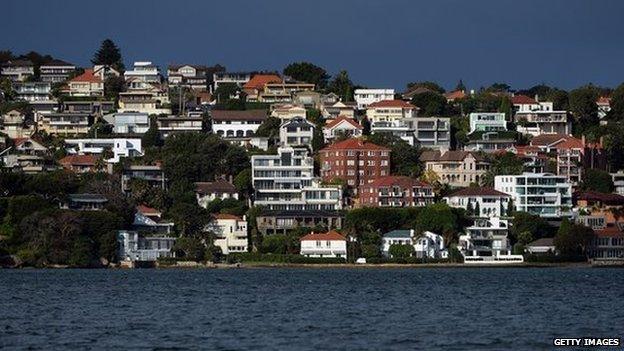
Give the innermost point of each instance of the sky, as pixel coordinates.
(382, 44)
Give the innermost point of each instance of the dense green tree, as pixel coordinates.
(108, 54)
(572, 239)
(366, 126)
(460, 86)
(507, 163)
(498, 88)
(342, 86)
(226, 91)
(404, 158)
(584, 109)
(307, 72)
(114, 85)
(151, 138)
(401, 250)
(506, 107)
(243, 182)
(430, 103)
(190, 248)
(597, 180)
(269, 128)
(524, 222)
(318, 139)
(190, 219)
(438, 218)
(314, 115)
(617, 104)
(433, 86)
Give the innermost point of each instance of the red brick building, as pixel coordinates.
(395, 191)
(355, 161)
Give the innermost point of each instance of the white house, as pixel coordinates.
(427, 245)
(543, 194)
(330, 244)
(480, 202)
(487, 122)
(135, 247)
(131, 123)
(486, 242)
(296, 132)
(143, 71)
(541, 246)
(390, 111)
(207, 192)
(230, 232)
(342, 126)
(120, 147)
(287, 111)
(237, 124)
(365, 97)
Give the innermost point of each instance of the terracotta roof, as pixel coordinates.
(87, 76)
(392, 103)
(226, 216)
(606, 198)
(246, 115)
(259, 80)
(340, 119)
(146, 210)
(603, 100)
(609, 231)
(396, 180)
(522, 100)
(79, 160)
(219, 187)
(354, 144)
(559, 141)
(454, 95)
(331, 235)
(457, 155)
(478, 191)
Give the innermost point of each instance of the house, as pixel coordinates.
(144, 72)
(193, 76)
(297, 132)
(480, 201)
(94, 107)
(487, 122)
(395, 191)
(426, 245)
(308, 99)
(486, 242)
(56, 71)
(342, 126)
(27, 156)
(29, 146)
(168, 125)
(330, 244)
(143, 101)
(456, 168)
(455, 95)
(571, 154)
(522, 103)
(15, 125)
(207, 192)
(287, 111)
(65, 123)
(238, 78)
(282, 91)
(491, 142)
(355, 161)
(282, 221)
(337, 109)
(286, 182)
(256, 84)
(86, 84)
(543, 122)
(152, 174)
(365, 97)
(17, 70)
(592, 204)
(237, 124)
(32, 91)
(133, 246)
(119, 147)
(149, 220)
(541, 246)
(607, 245)
(130, 123)
(394, 111)
(80, 163)
(604, 106)
(84, 202)
(431, 132)
(45, 107)
(543, 194)
(397, 128)
(105, 71)
(230, 232)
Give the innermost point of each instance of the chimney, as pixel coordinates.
(583, 140)
(536, 97)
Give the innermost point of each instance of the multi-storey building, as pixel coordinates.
(395, 191)
(17, 70)
(338, 109)
(286, 182)
(56, 71)
(487, 122)
(230, 232)
(174, 124)
(287, 111)
(486, 242)
(297, 132)
(193, 76)
(32, 91)
(492, 141)
(152, 174)
(397, 129)
(133, 246)
(206, 192)
(355, 161)
(456, 168)
(254, 86)
(543, 122)
(543, 194)
(431, 132)
(342, 126)
(618, 182)
(426, 245)
(120, 147)
(65, 123)
(394, 111)
(480, 201)
(238, 78)
(282, 91)
(15, 125)
(143, 71)
(237, 124)
(142, 101)
(86, 84)
(130, 123)
(365, 97)
(523, 103)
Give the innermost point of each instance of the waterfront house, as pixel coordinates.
(149, 220)
(281, 222)
(230, 232)
(486, 242)
(607, 245)
(133, 246)
(541, 246)
(330, 244)
(426, 245)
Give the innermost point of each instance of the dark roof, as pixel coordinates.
(18, 63)
(402, 181)
(398, 233)
(247, 115)
(87, 198)
(542, 242)
(605, 198)
(219, 187)
(302, 213)
(298, 122)
(478, 191)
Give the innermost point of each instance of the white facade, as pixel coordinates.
(365, 97)
(230, 233)
(487, 204)
(396, 128)
(486, 242)
(432, 132)
(543, 194)
(324, 245)
(133, 247)
(427, 245)
(342, 126)
(296, 132)
(618, 182)
(543, 122)
(487, 122)
(131, 123)
(121, 147)
(143, 71)
(286, 182)
(239, 78)
(33, 91)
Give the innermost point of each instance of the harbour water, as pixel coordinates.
(308, 308)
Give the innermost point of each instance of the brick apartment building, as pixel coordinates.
(395, 191)
(355, 161)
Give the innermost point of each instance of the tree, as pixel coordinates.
(572, 239)
(269, 128)
(190, 219)
(401, 251)
(430, 103)
(525, 222)
(114, 85)
(433, 86)
(366, 126)
(404, 158)
(242, 182)
(498, 87)
(342, 86)
(460, 86)
(506, 107)
(314, 115)
(226, 91)
(597, 180)
(108, 54)
(505, 164)
(477, 210)
(437, 218)
(151, 137)
(617, 104)
(307, 72)
(191, 248)
(584, 109)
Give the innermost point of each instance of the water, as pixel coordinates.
(308, 309)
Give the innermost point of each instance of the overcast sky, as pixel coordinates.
(564, 43)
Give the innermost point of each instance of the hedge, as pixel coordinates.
(278, 258)
(550, 258)
(405, 260)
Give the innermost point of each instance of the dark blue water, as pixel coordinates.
(308, 309)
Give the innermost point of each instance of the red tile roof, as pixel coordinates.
(259, 80)
(148, 211)
(558, 141)
(87, 76)
(603, 100)
(78, 160)
(396, 181)
(522, 100)
(339, 119)
(226, 216)
(392, 103)
(478, 191)
(331, 235)
(455, 95)
(354, 144)
(609, 232)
